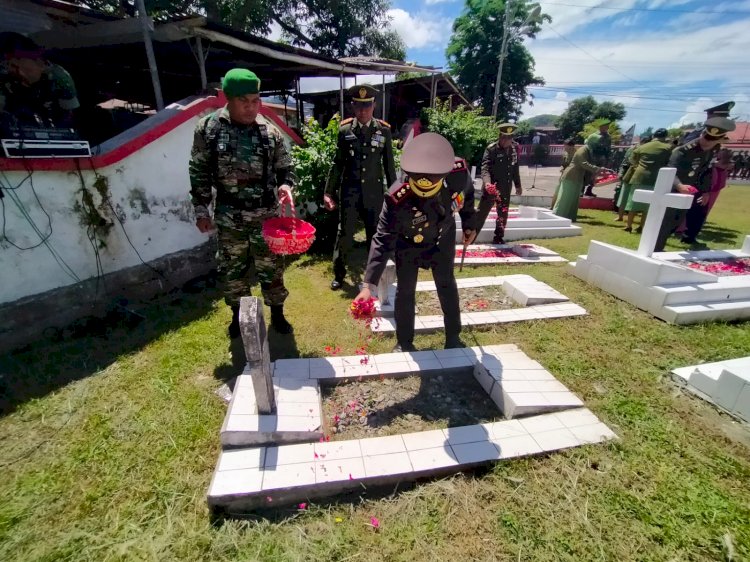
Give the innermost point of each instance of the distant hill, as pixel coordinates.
(543, 120)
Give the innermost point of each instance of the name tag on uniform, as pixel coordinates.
(419, 220)
(350, 137)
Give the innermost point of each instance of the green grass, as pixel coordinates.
(110, 443)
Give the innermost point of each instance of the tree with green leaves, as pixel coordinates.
(336, 28)
(468, 131)
(586, 110)
(473, 52)
(615, 133)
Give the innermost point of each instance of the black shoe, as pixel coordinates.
(498, 240)
(454, 343)
(278, 322)
(686, 240)
(336, 284)
(398, 348)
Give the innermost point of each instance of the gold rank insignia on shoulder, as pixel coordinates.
(459, 165)
(347, 121)
(384, 123)
(399, 192)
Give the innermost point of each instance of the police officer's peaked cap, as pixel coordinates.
(661, 133)
(362, 93)
(240, 82)
(717, 127)
(427, 154)
(507, 129)
(603, 121)
(721, 110)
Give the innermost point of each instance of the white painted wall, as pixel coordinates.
(157, 175)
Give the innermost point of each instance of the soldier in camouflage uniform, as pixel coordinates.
(35, 92)
(355, 183)
(500, 168)
(248, 165)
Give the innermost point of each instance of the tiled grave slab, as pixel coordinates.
(297, 418)
(523, 254)
(249, 479)
(540, 301)
(724, 383)
(523, 223)
(517, 384)
(662, 287)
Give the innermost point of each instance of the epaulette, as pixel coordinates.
(399, 192)
(346, 121)
(492, 144)
(386, 123)
(459, 165)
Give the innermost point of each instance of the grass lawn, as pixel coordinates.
(109, 441)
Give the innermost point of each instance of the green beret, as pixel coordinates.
(240, 82)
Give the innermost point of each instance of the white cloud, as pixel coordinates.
(430, 2)
(421, 30)
(561, 96)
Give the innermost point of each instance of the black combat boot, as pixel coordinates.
(278, 322)
(453, 342)
(399, 347)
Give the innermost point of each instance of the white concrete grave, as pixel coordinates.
(660, 283)
(524, 223)
(659, 200)
(276, 474)
(539, 301)
(507, 254)
(724, 383)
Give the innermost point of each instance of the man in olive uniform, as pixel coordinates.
(602, 153)
(500, 168)
(417, 223)
(693, 163)
(35, 92)
(721, 110)
(355, 183)
(248, 165)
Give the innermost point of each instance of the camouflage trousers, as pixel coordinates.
(242, 252)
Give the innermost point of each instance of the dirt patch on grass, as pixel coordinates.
(473, 299)
(377, 407)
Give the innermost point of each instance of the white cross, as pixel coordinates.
(659, 200)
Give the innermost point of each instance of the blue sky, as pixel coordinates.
(665, 60)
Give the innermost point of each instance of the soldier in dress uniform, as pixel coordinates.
(417, 223)
(355, 183)
(248, 165)
(499, 167)
(693, 163)
(721, 110)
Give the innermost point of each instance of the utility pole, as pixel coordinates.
(503, 49)
(146, 26)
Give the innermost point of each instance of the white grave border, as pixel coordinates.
(250, 478)
(538, 300)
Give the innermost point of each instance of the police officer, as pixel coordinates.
(500, 167)
(247, 164)
(693, 163)
(355, 183)
(417, 223)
